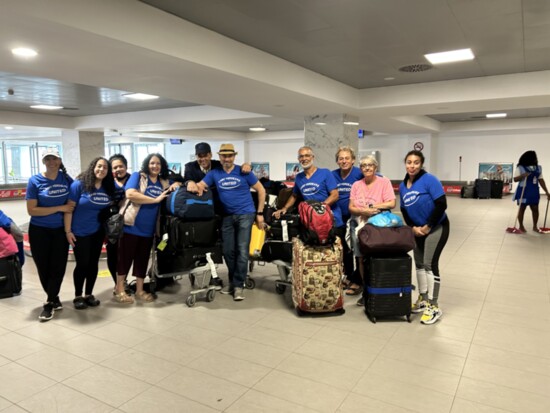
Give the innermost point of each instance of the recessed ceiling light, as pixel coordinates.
(24, 52)
(257, 129)
(389, 78)
(495, 115)
(320, 123)
(450, 56)
(8, 127)
(46, 107)
(140, 96)
(351, 123)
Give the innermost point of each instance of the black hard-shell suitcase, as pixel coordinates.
(483, 188)
(170, 262)
(388, 287)
(496, 188)
(184, 234)
(10, 276)
(273, 250)
(467, 191)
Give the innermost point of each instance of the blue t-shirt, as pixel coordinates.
(344, 189)
(49, 193)
(88, 206)
(418, 200)
(146, 219)
(233, 189)
(317, 188)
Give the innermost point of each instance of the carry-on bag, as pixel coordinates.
(257, 239)
(10, 276)
(190, 206)
(482, 188)
(275, 250)
(181, 261)
(388, 287)
(496, 188)
(373, 240)
(285, 228)
(317, 278)
(467, 191)
(317, 223)
(183, 234)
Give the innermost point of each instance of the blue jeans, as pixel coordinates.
(236, 231)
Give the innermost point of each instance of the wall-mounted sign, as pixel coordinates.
(418, 146)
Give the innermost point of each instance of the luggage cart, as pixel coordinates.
(285, 274)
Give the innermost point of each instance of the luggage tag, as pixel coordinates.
(163, 243)
(284, 227)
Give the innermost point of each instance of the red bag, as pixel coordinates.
(317, 223)
(374, 240)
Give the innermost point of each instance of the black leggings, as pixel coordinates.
(112, 257)
(49, 249)
(86, 252)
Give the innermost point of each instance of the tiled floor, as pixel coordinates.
(489, 353)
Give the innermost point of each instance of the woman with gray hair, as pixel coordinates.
(368, 197)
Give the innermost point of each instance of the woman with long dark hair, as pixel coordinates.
(145, 190)
(423, 205)
(90, 193)
(47, 195)
(529, 175)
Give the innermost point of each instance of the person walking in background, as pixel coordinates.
(423, 205)
(119, 167)
(529, 175)
(368, 197)
(346, 175)
(145, 190)
(90, 193)
(47, 195)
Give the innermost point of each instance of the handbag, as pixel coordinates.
(8, 246)
(374, 240)
(385, 219)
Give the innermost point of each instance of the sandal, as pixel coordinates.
(123, 298)
(145, 297)
(354, 290)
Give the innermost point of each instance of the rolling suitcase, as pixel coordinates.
(496, 188)
(317, 278)
(388, 287)
(274, 250)
(10, 276)
(257, 239)
(483, 188)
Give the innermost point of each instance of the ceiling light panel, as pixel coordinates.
(24, 52)
(46, 107)
(140, 96)
(450, 56)
(495, 115)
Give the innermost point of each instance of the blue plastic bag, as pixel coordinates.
(385, 219)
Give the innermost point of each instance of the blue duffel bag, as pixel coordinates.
(190, 206)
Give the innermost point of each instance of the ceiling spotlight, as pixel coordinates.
(24, 52)
(351, 123)
(450, 56)
(320, 123)
(495, 115)
(8, 127)
(257, 129)
(46, 107)
(140, 96)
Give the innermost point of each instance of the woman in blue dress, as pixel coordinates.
(529, 175)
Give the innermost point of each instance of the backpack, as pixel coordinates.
(317, 223)
(190, 206)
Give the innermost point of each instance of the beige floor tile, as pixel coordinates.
(60, 398)
(172, 350)
(305, 327)
(497, 294)
(513, 360)
(148, 322)
(218, 325)
(141, 366)
(160, 400)
(254, 401)
(55, 364)
(356, 403)
(502, 397)
(14, 409)
(431, 339)
(19, 383)
(230, 368)
(262, 354)
(337, 354)
(467, 406)
(13, 319)
(352, 341)
(121, 334)
(203, 388)
(91, 348)
(271, 337)
(402, 393)
(196, 336)
(312, 394)
(321, 371)
(14, 346)
(48, 333)
(107, 385)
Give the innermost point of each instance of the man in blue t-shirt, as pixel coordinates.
(316, 184)
(239, 214)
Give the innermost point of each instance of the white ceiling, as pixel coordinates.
(230, 64)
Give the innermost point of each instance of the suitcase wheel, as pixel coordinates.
(280, 288)
(210, 295)
(408, 318)
(191, 300)
(249, 283)
(250, 266)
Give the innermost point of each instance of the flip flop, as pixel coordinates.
(354, 290)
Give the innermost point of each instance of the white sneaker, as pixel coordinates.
(238, 295)
(431, 314)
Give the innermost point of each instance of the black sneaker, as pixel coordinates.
(57, 306)
(47, 312)
(92, 301)
(80, 303)
(217, 283)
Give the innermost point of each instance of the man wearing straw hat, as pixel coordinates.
(234, 193)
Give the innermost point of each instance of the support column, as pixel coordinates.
(326, 133)
(79, 148)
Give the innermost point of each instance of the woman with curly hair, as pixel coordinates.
(529, 175)
(90, 193)
(144, 190)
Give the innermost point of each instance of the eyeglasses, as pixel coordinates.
(367, 165)
(304, 156)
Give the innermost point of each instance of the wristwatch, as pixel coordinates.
(259, 213)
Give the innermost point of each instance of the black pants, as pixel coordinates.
(50, 249)
(112, 257)
(86, 252)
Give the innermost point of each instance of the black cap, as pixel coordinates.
(202, 147)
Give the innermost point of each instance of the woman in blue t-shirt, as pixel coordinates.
(529, 175)
(47, 195)
(423, 205)
(145, 190)
(90, 193)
